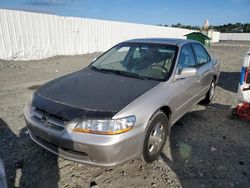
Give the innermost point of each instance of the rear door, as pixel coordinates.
(204, 67)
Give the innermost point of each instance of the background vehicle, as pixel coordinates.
(123, 105)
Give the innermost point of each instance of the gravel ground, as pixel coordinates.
(208, 148)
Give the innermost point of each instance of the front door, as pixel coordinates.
(186, 88)
(205, 68)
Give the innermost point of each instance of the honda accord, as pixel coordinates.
(122, 105)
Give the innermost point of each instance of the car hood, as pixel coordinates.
(89, 94)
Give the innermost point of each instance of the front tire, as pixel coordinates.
(156, 135)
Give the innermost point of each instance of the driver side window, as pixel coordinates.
(186, 59)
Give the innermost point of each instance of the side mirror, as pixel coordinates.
(93, 59)
(187, 73)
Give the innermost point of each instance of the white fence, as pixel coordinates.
(235, 36)
(26, 35)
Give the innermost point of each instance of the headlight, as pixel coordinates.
(107, 127)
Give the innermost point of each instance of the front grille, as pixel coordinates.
(48, 119)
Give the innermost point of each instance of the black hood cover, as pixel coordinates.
(89, 94)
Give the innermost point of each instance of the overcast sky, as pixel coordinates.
(188, 12)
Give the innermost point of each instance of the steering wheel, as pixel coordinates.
(159, 67)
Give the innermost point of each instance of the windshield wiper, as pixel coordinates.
(108, 71)
(94, 68)
(119, 72)
(131, 74)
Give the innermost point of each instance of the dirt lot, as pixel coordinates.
(208, 149)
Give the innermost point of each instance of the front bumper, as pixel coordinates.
(100, 150)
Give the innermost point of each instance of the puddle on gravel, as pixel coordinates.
(185, 150)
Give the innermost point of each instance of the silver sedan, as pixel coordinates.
(122, 106)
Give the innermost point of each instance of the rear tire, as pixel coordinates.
(157, 133)
(210, 94)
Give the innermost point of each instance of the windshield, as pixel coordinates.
(149, 61)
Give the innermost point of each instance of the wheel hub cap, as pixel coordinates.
(156, 139)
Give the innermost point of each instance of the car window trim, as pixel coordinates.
(191, 47)
(177, 63)
(207, 54)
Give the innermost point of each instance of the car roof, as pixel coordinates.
(169, 41)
